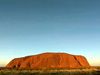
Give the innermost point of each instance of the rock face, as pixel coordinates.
(49, 61)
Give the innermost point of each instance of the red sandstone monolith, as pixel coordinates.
(49, 61)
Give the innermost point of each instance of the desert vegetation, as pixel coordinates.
(51, 72)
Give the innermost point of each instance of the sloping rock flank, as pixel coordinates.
(49, 61)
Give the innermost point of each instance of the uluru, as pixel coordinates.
(49, 61)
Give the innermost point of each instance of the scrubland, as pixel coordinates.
(92, 71)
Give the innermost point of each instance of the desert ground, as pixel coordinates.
(90, 71)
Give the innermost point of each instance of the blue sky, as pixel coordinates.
(30, 27)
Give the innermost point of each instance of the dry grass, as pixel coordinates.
(52, 72)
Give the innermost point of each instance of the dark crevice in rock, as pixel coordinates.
(77, 61)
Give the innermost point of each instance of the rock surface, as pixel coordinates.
(49, 61)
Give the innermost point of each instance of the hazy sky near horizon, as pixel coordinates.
(30, 27)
